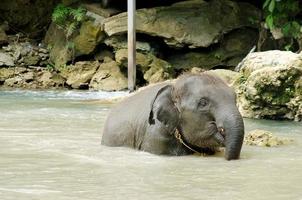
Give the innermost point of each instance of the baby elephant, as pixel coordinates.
(197, 113)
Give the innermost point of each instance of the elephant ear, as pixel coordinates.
(163, 108)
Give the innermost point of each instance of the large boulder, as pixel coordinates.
(153, 69)
(109, 77)
(79, 75)
(81, 43)
(194, 23)
(270, 85)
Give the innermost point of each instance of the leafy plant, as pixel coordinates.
(282, 14)
(69, 19)
(50, 67)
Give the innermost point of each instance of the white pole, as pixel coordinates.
(131, 45)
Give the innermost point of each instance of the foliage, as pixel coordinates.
(282, 14)
(68, 18)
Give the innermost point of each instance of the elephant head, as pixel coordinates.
(203, 109)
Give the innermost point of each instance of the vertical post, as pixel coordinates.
(131, 45)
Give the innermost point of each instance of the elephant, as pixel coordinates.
(195, 113)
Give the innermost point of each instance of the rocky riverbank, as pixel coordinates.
(172, 39)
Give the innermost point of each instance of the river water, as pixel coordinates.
(50, 150)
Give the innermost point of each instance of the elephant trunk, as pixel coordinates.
(233, 129)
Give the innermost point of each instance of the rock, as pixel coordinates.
(269, 85)
(63, 50)
(153, 68)
(159, 71)
(28, 77)
(31, 78)
(60, 53)
(12, 82)
(120, 42)
(98, 10)
(6, 73)
(49, 79)
(79, 75)
(264, 139)
(229, 52)
(109, 77)
(90, 36)
(31, 59)
(25, 54)
(228, 76)
(192, 23)
(6, 60)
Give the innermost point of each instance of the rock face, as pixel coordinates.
(270, 85)
(109, 77)
(192, 23)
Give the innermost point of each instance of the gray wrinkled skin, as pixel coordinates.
(202, 107)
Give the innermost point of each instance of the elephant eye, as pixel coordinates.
(203, 102)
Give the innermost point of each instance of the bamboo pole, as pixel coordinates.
(131, 45)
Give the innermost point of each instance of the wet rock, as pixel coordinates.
(79, 75)
(153, 68)
(192, 23)
(264, 139)
(6, 60)
(269, 85)
(109, 77)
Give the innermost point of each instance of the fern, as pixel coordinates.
(69, 19)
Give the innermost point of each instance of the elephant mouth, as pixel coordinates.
(218, 136)
(216, 133)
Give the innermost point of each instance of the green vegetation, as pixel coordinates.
(67, 18)
(282, 15)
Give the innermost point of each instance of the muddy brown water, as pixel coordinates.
(50, 150)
